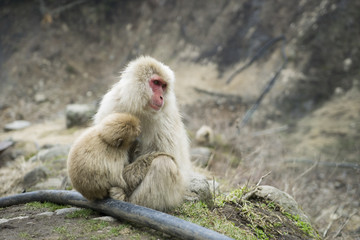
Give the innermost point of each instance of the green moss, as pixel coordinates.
(198, 212)
(233, 197)
(304, 226)
(82, 213)
(24, 235)
(48, 205)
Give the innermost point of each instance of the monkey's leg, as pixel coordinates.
(162, 187)
(135, 172)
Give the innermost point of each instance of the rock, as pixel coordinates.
(39, 98)
(66, 210)
(20, 148)
(78, 114)
(56, 152)
(200, 156)
(16, 125)
(205, 136)
(5, 145)
(50, 183)
(199, 190)
(33, 177)
(4, 220)
(106, 219)
(45, 214)
(284, 200)
(339, 91)
(347, 64)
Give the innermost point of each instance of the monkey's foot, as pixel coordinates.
(117, 193)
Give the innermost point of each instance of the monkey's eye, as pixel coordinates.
(157, 82)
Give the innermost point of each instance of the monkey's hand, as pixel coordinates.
(117, 193)
(135, 172)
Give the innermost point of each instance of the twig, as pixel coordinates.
(257, 55)
(270, 131)
(259, 182)
(306, 172)
(270, 84)
(214, 189)
(216, 94)
(326, 164)
(333, 217)
(347, 220)
(44, 10)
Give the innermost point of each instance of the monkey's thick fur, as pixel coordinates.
(97, 158)
(167, 176)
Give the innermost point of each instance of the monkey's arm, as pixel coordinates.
(135, 172)
(121, 210)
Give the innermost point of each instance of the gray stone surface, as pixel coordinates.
(16, 125)
(281, 198)
(200, 156)
(34, 176)
(66, 210)
(79, 114)
(199, 190)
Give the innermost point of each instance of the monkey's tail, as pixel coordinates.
(121, 210)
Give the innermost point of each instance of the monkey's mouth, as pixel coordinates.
(155, 106)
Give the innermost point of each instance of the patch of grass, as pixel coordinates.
(24, 235)
(95, 225)
(259, 218)
(233, 197)
(60, 230)
(304, 226)
(82, 213)
(48, 205)
(64, 232)
(198, 212)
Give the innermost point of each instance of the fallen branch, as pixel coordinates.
(271, 82)
(347, 220)
(326, 164)
(232, 97)
(121, 210)
(259, 182)
(44, 10)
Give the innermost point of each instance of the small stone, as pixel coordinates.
(106, 219)
(200, 156)
(39, 98)
(34, 176)
(347, 64)
(199, 190)
(16, 125)
(45, 214)
(5, 145)
(281, 198)
(3, 220)
(78, 114)
(66, 210)
(56, 152)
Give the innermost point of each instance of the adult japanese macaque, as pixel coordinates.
(160, 172)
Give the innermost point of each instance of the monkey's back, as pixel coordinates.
(94, 166)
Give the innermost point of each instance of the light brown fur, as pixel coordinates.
(97, 158)
(162, 170)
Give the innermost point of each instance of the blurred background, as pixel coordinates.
(305, 132)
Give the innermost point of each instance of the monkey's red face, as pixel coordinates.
(158, 87)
